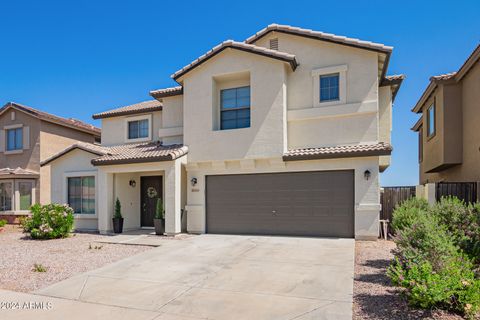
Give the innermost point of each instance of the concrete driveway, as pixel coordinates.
(223, 277)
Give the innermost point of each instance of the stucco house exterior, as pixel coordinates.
(448, 135)
(284, 133)
(27, 137)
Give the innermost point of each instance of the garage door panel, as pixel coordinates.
(306, 203)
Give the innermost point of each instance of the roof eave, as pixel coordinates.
(337, 155)
(417, 125)
(125, 113)
(170, 157)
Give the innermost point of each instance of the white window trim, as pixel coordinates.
(16, 192)
(5, 128)
(316, 73)
(74, 174)
(12, 211)
(137, 118)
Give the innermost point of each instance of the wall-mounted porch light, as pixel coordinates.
(367, 174)
(132, 183)
(193, 182)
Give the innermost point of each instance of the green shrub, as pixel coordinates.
(407, 213)
(436, 255)
(453, 287)
(462, 221)
(50, 221)
(159, 212)
(118, 210)
(3, 222)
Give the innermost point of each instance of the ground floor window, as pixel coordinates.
(6, 196)
(17, 194)
(25, 194)
(81, 194)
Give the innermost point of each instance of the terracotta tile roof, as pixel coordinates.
(141, 107)
(89, 147)
(446, 76)
(320, 36)
(167, 92)
(395, 81)
(70, 123)
(140, 152)
(275, 54)
(7, 172)
(454, 76)
(349, 151)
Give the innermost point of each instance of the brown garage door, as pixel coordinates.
(296, 203)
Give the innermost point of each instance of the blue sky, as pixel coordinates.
(76, 58)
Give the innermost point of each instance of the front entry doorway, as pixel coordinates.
(151, 190)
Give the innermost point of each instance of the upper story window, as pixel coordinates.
(330, 87)
(138, 129)
(14, 139)
(431, 120)
(235, 108)
(81, 194)
(420, 145)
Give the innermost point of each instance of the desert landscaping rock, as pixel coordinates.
(63, 258)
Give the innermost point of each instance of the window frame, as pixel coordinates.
(81, 174)
(7, 129)
(147, 117)
(420, 144)
(12, 200)
(222, 110)
(342, 85)
(17, 193)
(434, 113)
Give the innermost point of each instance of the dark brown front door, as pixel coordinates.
(151, 191)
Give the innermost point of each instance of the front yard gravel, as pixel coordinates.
(373, 295)
(62, 258)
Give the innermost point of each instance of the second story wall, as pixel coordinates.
(114, 130)
(28, 157)
(265, 137)
(172, 120)
(353, 118)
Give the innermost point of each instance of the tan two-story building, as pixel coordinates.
(284, 133)
(27, 137)
(448, 131)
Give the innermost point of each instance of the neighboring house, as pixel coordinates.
(28, 136)
(448, 133)
(284, 133)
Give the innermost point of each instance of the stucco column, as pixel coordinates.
(173, 223)
(105, 201)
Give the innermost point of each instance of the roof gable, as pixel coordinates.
(69, 123)
(230, 44)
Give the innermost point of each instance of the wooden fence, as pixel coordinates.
(466, 191)
(391, 197)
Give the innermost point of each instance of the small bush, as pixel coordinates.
(407, 213)
(39, 268)
(3, 222)
(453, 287)
(462, 221)
(437, 255)
(50, 221)
(118, 210)
(426, 240)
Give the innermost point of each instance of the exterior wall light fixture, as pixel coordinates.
(193, 182)
(367, 174)
(132, 183)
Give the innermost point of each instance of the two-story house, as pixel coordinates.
(27, 137)
(284, 133)
(448, 136)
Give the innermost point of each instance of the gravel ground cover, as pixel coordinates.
(62, 258)
(373, 295)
